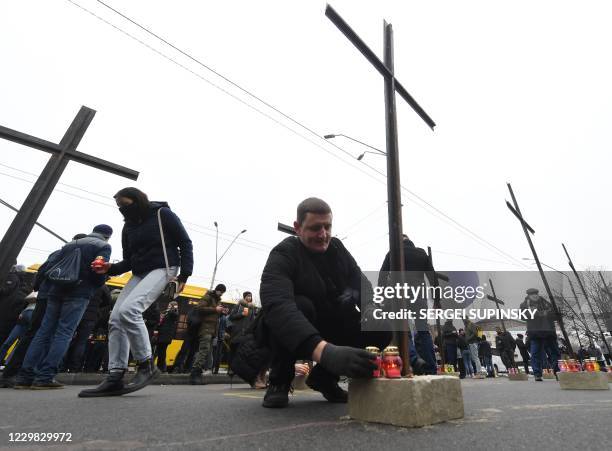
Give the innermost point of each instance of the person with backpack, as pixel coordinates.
(41, 285)
(241, 318)
(72, 283)
(155, 244)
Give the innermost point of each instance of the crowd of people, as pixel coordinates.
(65, 317)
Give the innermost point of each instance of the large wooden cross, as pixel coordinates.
(23, 223)
(497, 301)
(527, 229)
(392, 85)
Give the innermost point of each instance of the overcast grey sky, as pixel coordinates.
(520, 92)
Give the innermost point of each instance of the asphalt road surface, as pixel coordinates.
(499, 414)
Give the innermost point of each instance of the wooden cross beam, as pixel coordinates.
(392, 85)
(62, 153)
(286, 229)
(381, 67)
(516, 211)
(497, 301)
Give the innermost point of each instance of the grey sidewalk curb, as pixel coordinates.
(162, 379)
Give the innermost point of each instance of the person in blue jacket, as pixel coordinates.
(65, 307)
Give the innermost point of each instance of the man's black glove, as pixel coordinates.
(347, 361)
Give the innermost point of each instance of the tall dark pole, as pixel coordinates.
(396, 248)
(583, 289)
(526, 229)
(577, 333)
(392, 85)
(586, 325)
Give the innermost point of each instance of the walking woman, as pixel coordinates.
(155, 245)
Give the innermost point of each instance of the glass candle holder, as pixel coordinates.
(377, 370)
(392, 363)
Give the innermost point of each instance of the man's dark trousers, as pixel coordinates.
(526, 358)
(341, 330)
(76, 353)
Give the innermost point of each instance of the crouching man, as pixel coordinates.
(309, 291)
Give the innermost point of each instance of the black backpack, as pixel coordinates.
(67, 270)
(251, 352)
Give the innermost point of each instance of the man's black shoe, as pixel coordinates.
(538, 378)
(328, 387)
(7, 382)
(50, 385)
(277, 396)
(112, 386)
(420, 367)
(196, 378)
(22, 384)
(144, 376)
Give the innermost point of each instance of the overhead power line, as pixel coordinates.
(448, 220)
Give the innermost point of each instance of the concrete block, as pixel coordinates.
(583, 380)
(548, 375)
(518, 377)
(610, 377)
(416, 402)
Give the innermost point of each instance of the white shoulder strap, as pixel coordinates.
(161, 233)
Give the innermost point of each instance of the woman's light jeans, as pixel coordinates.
(126, 328)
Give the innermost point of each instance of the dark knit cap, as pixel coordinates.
(103, 229)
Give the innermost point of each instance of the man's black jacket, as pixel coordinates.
(484, 349)
(505, 342)
(290, 271)
(100, 299)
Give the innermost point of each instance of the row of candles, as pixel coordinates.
(573, 365)
(389, 364)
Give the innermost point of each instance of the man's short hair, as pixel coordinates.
(312, 205)
(221, 287)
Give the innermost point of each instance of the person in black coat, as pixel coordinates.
(484, 348)
(541, 333)
(523, 350)
(75, 356)
(17, 285)
(310, 289)
(449, 332)
(165, 333)
(418, 265)
(158, 250)
(505, 345)
(189, 348)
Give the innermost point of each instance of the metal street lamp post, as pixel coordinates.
(217, 260)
